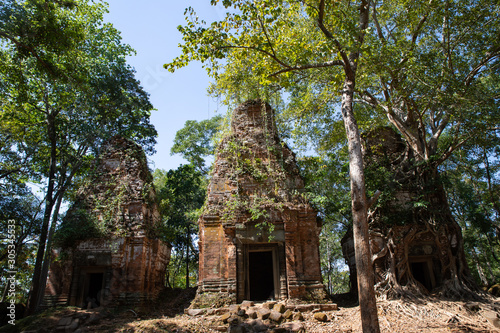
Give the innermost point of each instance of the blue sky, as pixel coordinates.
(150, 27)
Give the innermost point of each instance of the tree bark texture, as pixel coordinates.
(49, 205)
(366, 294)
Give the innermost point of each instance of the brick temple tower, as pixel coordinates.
(109, 251)
(259, 238)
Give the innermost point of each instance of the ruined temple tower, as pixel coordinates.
(109, 251)
(259, 238)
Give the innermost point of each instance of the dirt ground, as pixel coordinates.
(428, 315)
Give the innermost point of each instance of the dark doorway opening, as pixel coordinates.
(93, 297)
(422, 273)
(261, 275)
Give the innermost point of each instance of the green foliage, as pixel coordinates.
(429, 69)
(181, 194)
(332, 201)
(176, 277)
(79, 226)
(20, 208)
(84, 106)
(472, 181)
(195, 141)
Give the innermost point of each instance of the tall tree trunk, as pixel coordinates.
(49, 205)
(48, 257)
(480, 271)
(187, 255)
(364, 267)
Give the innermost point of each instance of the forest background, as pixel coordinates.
(66, 87)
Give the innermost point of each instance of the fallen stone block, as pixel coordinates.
(236, 329)
(279, 307)
(275, 316)
(258, 325)
(278, 330)
(293, 327)
(320, 316)
(225, 317)
(328, 307)
(304, 307)
(263, 313)
(196, 312)
(288, 314)
(234, 308)
(247, 304)
(298, 316)
(221, 311)
(269, 304)
(252, 314)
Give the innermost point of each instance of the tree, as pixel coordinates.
(58, 115)
(334, 206)
(195, 141)
(264, 29)
(181, 194)
(20, 209)
(432, 71)
(471, 179)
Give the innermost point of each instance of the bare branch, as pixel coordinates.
(267, 36)
(328, 34)
(377, 25)
(374, 199)
(489, 56)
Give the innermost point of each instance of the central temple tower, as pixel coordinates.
(259, 237)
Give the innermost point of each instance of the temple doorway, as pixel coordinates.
(422, 270)
(262, 274)
(93, 285)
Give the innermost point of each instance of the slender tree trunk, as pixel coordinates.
(48, 254)
(364, 267)
(4, 293)
(480, 271)
(49, 205)
(187, 255)
(488, 263)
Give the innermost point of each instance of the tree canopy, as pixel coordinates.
(66, 87)
(181, 194)
(195, 141)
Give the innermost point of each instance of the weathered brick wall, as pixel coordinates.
(256, 181)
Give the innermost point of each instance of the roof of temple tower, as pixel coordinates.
(118, 198)
(253, 167)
